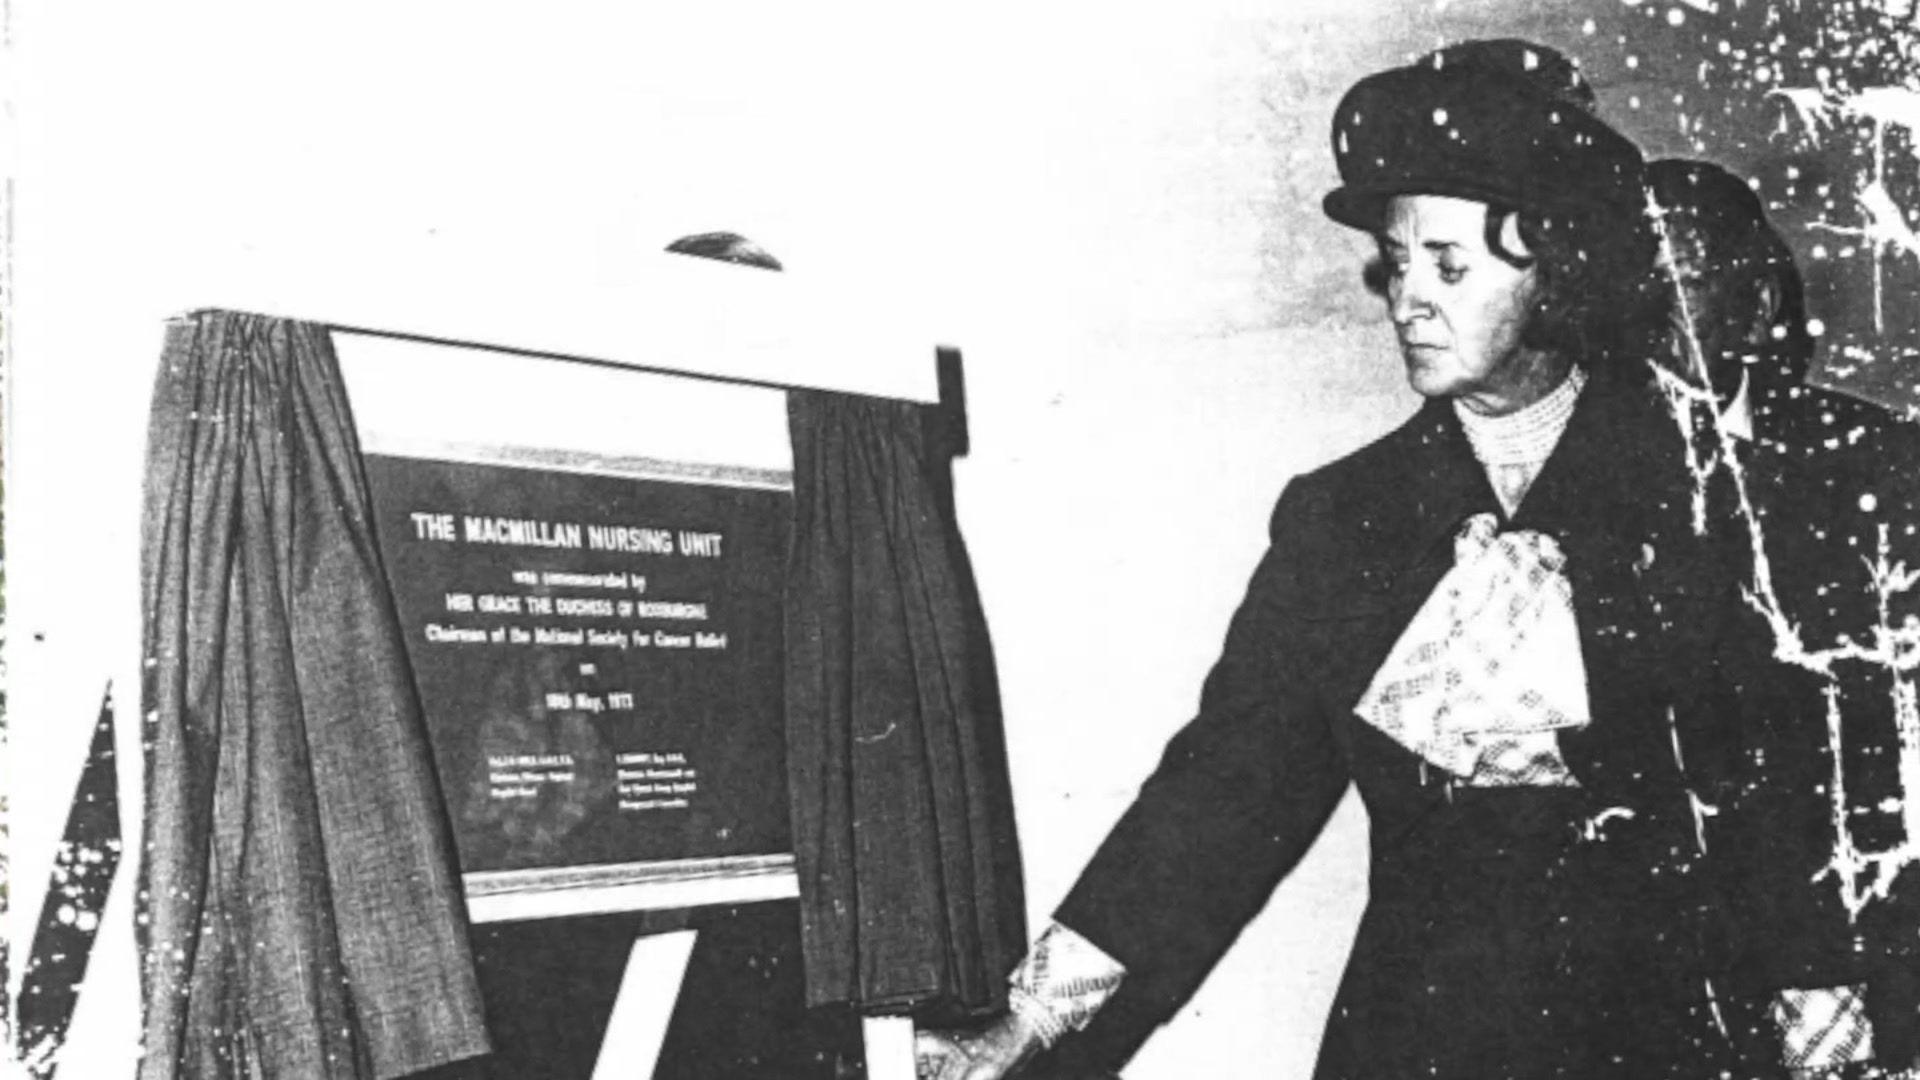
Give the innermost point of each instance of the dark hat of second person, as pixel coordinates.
(1476, 131)
(1703, 192)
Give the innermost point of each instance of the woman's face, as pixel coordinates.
(1459, 309)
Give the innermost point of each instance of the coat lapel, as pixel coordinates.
(1617, 497)
(1448, 486)
(1610, 469)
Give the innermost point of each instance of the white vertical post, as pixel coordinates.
(889, 1041)
(649, 987)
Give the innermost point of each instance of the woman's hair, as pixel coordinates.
(1590, 306)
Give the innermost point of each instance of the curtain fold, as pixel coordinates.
(910, 888)
(300, 912)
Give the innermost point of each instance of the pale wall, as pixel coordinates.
(1112, 212)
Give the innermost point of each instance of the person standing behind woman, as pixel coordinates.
(1495, 621)
(1822, 473)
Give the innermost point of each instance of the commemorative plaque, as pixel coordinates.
(597, 645)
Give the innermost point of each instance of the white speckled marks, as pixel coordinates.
(83, 871)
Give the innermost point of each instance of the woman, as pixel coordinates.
(1494, 621)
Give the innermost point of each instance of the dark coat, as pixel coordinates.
(1499, 939)
(1824, 475)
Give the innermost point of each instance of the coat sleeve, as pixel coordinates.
(1239, 795)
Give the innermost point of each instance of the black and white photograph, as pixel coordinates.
(1304, 539)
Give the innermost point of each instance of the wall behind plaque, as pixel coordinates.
(1113, 212)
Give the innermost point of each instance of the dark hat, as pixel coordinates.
(1475, 131)
(1705, 192)
(1548, 70)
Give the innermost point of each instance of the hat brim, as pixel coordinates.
(1364, 206)
(1473, 134)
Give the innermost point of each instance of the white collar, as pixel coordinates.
(1525, 436)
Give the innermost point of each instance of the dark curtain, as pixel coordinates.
(910, 890)
(301, 913)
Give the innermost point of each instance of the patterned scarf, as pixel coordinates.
(1490, 667)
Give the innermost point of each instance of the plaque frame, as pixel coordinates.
(553, 892)
(562, 891)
